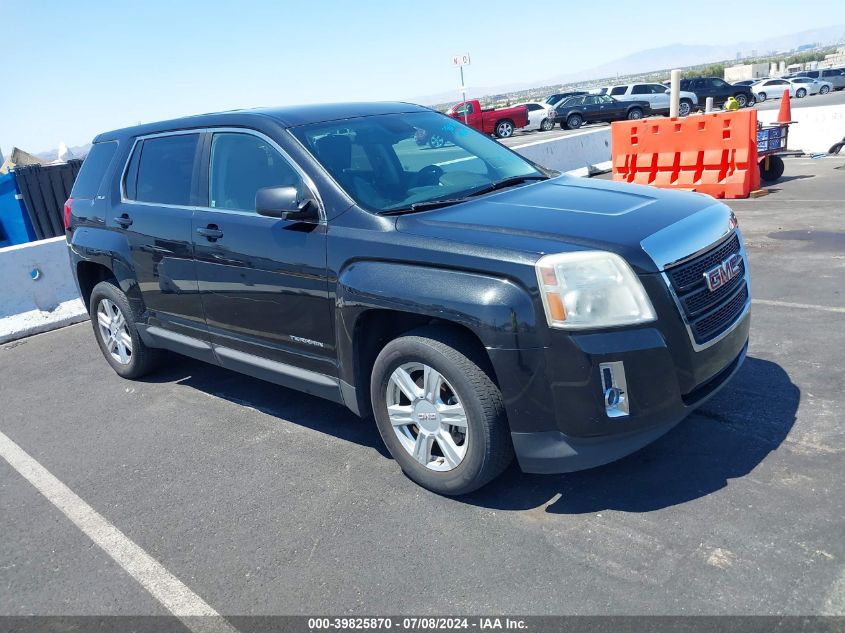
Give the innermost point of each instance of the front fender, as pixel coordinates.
(499, 311)
(109, 249)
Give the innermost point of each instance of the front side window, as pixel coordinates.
(165, 170)
(465, 108)
(399, 171)
(240, 165)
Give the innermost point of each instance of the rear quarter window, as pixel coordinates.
(93, 169)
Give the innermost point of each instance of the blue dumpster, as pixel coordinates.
(15, 225)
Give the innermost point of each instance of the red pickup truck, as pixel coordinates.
(500, 122)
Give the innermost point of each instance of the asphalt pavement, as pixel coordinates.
(263, 500)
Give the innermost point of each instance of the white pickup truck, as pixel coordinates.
(656, 94)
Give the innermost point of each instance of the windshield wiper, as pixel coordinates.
(446, 202)
(424, 206)
(507, 182)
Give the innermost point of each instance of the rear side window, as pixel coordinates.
(93, 169)
(618, 90)
(165, 169)
(640, 89)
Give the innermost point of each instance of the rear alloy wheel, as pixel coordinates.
(547, 124)
(741, 99)
(684, 107)
(436, 141)
(574, 121)
(439, 413)
(824, 90)
(114, 319)
(801, 93)
(634, 114)
(504, 129)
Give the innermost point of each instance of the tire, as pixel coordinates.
(546, 125)
(801, 93)
(824, 90)
(436, 141)
(635, 114)
(574, 121)
(684, 107)
(774, 171)
(474, 459)
(127, 354)
(761, 97)
(504, 128)
(741, 99)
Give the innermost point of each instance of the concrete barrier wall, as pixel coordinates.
(816, 127)
(37, 290)
(580, 153)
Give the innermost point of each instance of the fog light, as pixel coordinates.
(614, 389)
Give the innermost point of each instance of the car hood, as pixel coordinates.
(568, 213)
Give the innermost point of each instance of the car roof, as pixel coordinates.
(287, 116)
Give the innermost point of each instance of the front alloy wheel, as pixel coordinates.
(427, 416)
(438, 410)
(436, 141)
(684, 108)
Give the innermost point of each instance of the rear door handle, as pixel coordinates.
(123, 220)
(211, 232)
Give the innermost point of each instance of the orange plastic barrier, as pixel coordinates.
(712, 153)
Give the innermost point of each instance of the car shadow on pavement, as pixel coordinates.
(725, 439)
(280, 402)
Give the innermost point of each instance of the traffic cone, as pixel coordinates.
(785, 112)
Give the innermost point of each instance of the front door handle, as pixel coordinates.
(123, 220)
(211, 232)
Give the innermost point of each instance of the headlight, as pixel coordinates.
(591, 289)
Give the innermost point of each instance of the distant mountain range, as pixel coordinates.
(654, 59)
(79, 151)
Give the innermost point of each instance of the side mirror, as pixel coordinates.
(285, 203)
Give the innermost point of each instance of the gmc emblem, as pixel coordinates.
(723, 273)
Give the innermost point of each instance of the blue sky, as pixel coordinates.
(85, 66)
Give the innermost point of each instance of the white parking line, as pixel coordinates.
(802, 306)
(160, 583)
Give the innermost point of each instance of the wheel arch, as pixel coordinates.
(374, 307)
(98, 255)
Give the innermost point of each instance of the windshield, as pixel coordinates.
(393, 161)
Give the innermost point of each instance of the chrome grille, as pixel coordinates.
(709, 313)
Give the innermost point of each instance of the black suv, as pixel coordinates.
(473, 305)
(719, 89)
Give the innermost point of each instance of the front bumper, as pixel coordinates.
(556, 452)
(559, 420)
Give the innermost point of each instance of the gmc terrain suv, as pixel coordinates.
(475, 306)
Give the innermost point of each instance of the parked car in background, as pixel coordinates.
(836, 76)
(502, 122)
(748, 82)
(557, 98)
(657, 96)
(719, 89)
(576, 111)
(813, 86)
(541, 116)
(773, 89)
